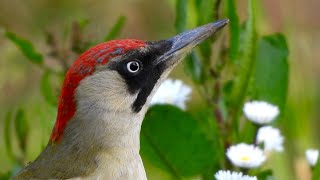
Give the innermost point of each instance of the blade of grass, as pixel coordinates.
(181, 15)
(7, 134)
(245, 67)
(116, 29)
(234, 29)
(22, 129)
(26, 48)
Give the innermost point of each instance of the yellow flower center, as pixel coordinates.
(245, 158)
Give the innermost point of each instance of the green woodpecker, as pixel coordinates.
(104, 98)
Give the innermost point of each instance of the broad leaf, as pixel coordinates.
(22, 129)
(174, 141)
(26, 47)
(206, 119)
(271, 70)
(116, 29)
(270, 79)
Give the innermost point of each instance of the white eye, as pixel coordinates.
(133, 66)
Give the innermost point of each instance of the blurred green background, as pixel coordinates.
(154, 20)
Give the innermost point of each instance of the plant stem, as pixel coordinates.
(217, 7)
(245, 70)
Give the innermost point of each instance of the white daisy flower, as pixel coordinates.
(229, 175)
(271, 138)
(312, 156)
(172, 92)
(245, 155)
(260, 112)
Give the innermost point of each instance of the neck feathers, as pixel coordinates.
(103, 149)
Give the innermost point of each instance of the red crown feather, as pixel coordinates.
(81, 68)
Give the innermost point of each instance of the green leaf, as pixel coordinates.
(26, 47)
(5, 176)
(271, 70)
(264, 175)
(174, 141)
(22, 129)
(234, 29)
(47, 89)
(181, 15)
(207, 121)
(151, 153)
(194, 68)
(7, 134)
(316, 171)
(116, 29)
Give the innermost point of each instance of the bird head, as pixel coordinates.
(121, 76)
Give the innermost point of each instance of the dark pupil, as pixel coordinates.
(134, 66)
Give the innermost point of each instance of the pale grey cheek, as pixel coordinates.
(104, 90)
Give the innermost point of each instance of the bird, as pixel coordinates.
(103, 101)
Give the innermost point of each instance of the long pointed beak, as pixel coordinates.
(186, 41)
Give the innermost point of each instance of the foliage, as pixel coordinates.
(260, 72)
(21, 132)
(26, 47)
(271, 70)
(182, 144)
(316, 171)
(50, 82)
(182, 138)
